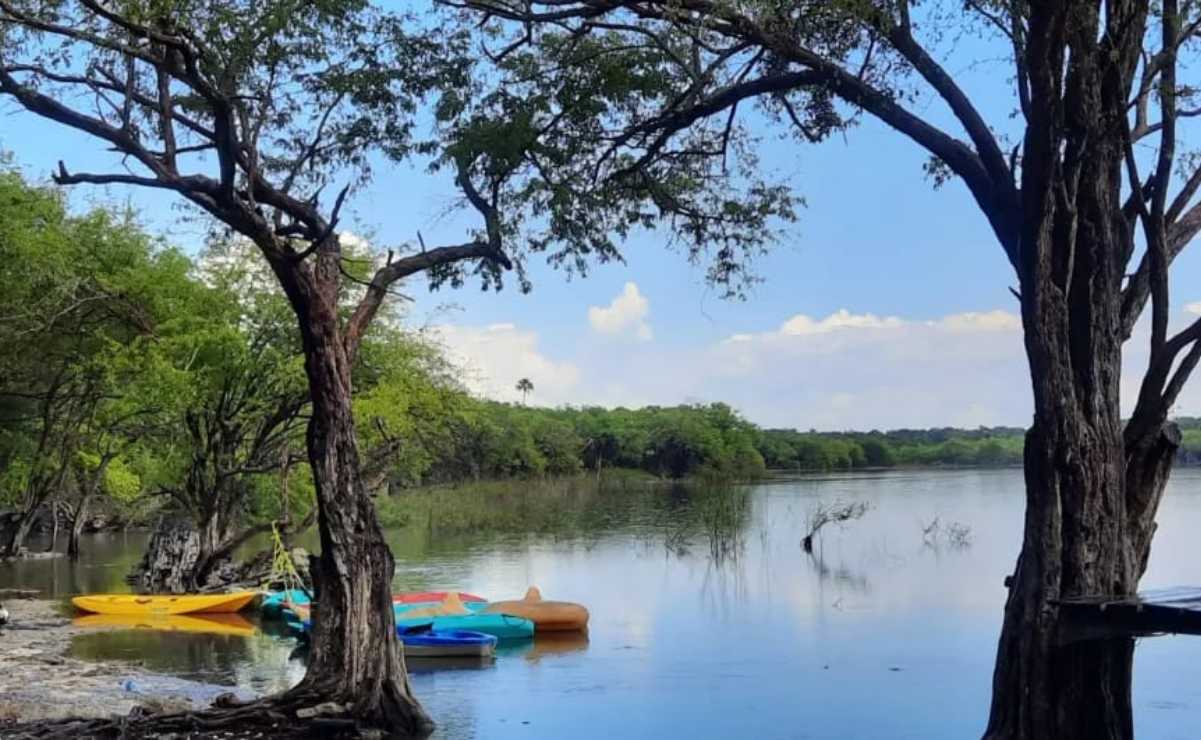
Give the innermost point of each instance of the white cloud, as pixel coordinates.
(625, 314)
(840, 319)
(855, 371)
(1193, 308)
(842, 371)
(988, 321)
(495, 357)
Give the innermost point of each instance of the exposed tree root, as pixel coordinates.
(292, 715)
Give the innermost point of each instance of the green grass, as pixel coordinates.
(539, 506)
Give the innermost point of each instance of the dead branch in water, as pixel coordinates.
(838, 512)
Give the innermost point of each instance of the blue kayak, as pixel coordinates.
(424, 642)
(501, 626)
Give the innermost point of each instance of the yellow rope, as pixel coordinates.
(282, 567)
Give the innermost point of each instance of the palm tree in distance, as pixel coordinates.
(525, 387)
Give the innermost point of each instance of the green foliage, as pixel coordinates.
(545, 127)
(493, 440)
(122, 482)
(789, 449)
(86, 299)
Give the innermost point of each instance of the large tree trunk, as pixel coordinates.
(77, 521)
(1091, 493)
(355, 657)
(53, 527)
(18, 532)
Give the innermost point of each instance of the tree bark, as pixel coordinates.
(53, 527)
(211, 539)
(1091, 493)
(169, 561)
(77, 521)
(19, 531)
(355, 658)
(1080, 537)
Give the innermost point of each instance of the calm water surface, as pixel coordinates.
(705, 634)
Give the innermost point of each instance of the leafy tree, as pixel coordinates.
(79, 294)
(877, 454)
(247, 110)
(1090, 207)
(232, 394)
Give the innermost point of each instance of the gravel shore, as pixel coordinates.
(39, 680)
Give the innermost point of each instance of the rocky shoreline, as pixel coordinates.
(39, 680)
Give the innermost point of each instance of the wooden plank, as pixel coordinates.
(1162, 611)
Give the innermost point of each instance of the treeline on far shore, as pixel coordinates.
(702, 440)
(788, 449)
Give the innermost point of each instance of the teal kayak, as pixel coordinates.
(501, 626)
(273, 604)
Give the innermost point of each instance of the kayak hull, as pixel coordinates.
(547, 616)
(134, 605)
(446, 644)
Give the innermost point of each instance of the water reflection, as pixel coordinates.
(213, 624)
(840, 573)
(708, 619)
(229, 652)
(546, 646)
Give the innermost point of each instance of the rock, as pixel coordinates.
(324, 709)
(164, 705)
(18, 593)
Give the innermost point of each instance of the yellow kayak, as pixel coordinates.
(213, 624)
(134, 605)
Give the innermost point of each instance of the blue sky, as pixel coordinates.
(927, 333)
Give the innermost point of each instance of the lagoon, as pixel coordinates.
(717, 632)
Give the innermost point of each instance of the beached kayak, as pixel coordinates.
(422, 642)
(135, 605)
(547, 616)
(433, 597)
(501, 626)
(211, 624)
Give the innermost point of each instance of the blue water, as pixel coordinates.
(879, 634)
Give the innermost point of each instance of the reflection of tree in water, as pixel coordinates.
(724, 584)
(196, 656)
(840, 574)
(715, 518)
(260, 661)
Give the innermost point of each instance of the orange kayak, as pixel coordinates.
(547, 616)
(133, 605)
